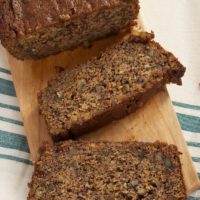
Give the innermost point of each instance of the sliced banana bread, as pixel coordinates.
(105, 170)
(35, 29)
(107, 87)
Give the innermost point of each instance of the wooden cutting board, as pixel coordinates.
(155, 121)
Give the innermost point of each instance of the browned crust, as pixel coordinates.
(47, 152)
(20, 18)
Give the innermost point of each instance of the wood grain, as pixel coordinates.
(155, 121)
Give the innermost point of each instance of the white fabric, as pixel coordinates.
(176, 24)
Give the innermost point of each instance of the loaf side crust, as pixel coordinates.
(37, 29)
(19, 18)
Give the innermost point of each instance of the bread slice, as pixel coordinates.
(108, 170)
(36, 29)
(107, 87)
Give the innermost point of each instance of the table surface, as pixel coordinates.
(176, 25)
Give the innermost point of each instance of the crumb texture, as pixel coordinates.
(107, 87)
(36, 29)
(103, 170)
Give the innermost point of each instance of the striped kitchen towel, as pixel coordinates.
(15, 161)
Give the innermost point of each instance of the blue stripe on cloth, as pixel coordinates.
(16, 108)
(193, 198)
(189, 123)
(13, 141)
(7, 87)
(13, 121)
(14, 158)
(193, 144)
(5, 70)
(196, 159)
(184, 105)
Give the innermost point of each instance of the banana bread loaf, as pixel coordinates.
(105, 170)
(107, 87)
(35, 29)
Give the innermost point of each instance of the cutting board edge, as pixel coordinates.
(176, 120)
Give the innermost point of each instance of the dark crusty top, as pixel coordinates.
(19, 17)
